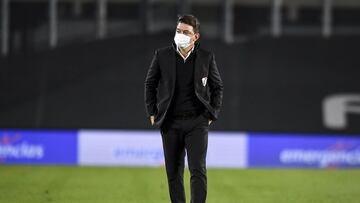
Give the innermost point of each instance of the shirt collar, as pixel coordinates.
(187, 56)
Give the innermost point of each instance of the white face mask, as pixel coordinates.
(182, 40)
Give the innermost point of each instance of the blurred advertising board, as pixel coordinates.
(38, 147)
(303, 150)
(144, 148)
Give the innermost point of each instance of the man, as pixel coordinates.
(183, 95)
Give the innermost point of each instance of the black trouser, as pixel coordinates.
(192, 135)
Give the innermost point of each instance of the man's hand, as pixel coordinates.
(210, 121)
(152, 120)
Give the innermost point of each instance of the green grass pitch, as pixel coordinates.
(61, 184)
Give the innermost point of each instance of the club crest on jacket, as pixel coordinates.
(204, 79)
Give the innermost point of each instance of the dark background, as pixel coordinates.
(270, 84)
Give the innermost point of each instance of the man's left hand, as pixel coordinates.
(210, 121)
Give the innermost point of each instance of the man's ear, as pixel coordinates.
(197, 36)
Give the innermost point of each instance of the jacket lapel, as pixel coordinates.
(172, 68)
(197, 68)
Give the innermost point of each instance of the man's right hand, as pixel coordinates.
(152, 120)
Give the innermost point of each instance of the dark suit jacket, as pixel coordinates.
(160, 82)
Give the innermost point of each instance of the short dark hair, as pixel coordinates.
(190, 20)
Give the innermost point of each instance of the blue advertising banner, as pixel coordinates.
(38, 147)
(306, 151)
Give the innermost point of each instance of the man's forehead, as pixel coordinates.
(184, 26)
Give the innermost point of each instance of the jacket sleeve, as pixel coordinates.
(216, 87)
(151, 83)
